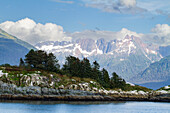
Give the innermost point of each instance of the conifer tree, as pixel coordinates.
(105, 78)
(21, 64)
(72, 66)
(51, 63)
(117, 82)
(96, 72)
(41, 60)
(86, 69)
(30, 59)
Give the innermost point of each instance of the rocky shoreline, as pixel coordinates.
(158, 98)
(12, 92)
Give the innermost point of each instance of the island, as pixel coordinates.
(40, 79)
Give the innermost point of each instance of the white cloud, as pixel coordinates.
(63, 1)
(160, 35)
(149, 7)
(121, 34)
(156, 7)
(31, 32)
(128, 3)
(107, 35)
(153, 5)
(115, 6)
(162, 30)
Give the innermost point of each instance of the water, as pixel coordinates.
(83, 107)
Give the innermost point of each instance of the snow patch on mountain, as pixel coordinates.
(88, 47)
(122, 59)
(151, 51)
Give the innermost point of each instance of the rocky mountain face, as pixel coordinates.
(156, 75)
(89, 47)
(127, 57)
(12, 49)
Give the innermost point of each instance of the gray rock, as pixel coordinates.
(53, 92)
(45, 91)
(20, 90)
(33, 90)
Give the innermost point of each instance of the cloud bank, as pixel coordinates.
(162, 33)
(147, 7)
(162, 30)
(159, 35)
(107, 35)
(31, 32)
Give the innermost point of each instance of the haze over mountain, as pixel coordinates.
(12, 48)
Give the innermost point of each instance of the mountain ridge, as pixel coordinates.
(5, 35)
(114, 55)
(12, 48)
(158, 72)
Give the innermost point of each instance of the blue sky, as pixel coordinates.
(79, 15)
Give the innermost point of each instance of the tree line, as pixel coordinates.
(72, 67)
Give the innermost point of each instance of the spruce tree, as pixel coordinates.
(96, 72)
(51, 63)
(117, 82)
(86, 69)
(41, 60)
(105, 78)
(31, 59)
(21, 64)
(72, 66)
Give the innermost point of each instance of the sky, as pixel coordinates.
(39, 18)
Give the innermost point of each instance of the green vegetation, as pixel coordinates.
(117, 82)
(166, 88)
(136, 87)
(41, 60)
(83, 69)
(73, 70)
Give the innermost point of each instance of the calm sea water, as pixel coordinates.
(83, 107)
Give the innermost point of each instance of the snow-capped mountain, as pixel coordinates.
(89, 47)
(127, 57)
